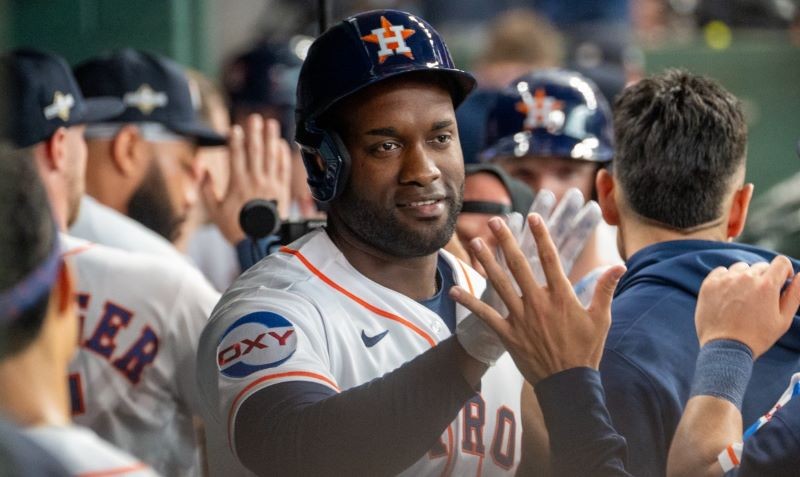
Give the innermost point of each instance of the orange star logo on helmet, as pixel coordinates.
(540, 110)
(391, 39)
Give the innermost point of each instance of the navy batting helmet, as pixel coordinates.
(358, 52)
(550, 112)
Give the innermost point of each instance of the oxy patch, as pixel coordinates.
(254, 342)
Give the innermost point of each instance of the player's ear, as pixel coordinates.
(127, 149)
(605, 187)
(55, 152)
(65, 290)
(738, 212)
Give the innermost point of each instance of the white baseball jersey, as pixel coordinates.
(83, 453)
(305, 314)
(133, 378)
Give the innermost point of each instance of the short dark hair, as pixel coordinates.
(27, 239)
(679, 139)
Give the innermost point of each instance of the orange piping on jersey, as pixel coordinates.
(117, 471)
(358, 300)
(451, 450)
(466, 276)
(270, 377)
(77, 250)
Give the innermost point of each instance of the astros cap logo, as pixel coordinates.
(62, 104)
(391, 39)
(145, 99)
(540, 110)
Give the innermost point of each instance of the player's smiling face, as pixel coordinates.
(407, 172)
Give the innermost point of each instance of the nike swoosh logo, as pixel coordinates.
(370, 341)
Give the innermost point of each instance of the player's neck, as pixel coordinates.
(414, 277)
(34, 390)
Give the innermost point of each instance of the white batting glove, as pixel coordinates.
(570, 223)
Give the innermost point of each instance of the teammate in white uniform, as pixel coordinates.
(336, 355)
(38, 320)
(83, 453)
(133, 379)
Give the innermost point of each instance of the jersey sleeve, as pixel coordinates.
(582, 439)
(638, 412)
(254, 340)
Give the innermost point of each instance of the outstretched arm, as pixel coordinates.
(557, 344)
(740, 314)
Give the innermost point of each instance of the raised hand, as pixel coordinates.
(547, 330)
(260, 168)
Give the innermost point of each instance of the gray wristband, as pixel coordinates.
(723, 370)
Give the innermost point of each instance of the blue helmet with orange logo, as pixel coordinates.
(358, 52)
(550, 112)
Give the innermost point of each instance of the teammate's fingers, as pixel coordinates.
(210, 199)
(543, 203)
(486, 313)
(780, 270)
(717, 272)
(578, 234)
(500, 281)
(739, 267)
(284, 162)
(759, 268)
(272, 146)
(238, 167)
(548, 255)
(790, 300)
(604, 291)
(515, 259)
(563, 216)
(254, 142)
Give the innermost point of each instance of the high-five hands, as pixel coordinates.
(547, 330)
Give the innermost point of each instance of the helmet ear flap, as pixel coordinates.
(327, 165)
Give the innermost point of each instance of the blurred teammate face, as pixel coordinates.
(480, 187)
(76, 170)
(407, 172)
(556, 174)
(169, 188)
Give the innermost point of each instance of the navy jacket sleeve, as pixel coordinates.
(643, 413)
(775, 449)
(378, 428)
(582, 439)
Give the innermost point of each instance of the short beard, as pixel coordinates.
(381, 229)
(150, 205)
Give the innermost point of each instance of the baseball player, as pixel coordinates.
(340, 354)
(132, 379)
(552, 130)
(37, 309)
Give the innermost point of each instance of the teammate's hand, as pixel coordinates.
(260, 168)
(745, 303)
(547, 329)
(570, 224)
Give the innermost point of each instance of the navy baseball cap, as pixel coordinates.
(41, 95)
(152, 88)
